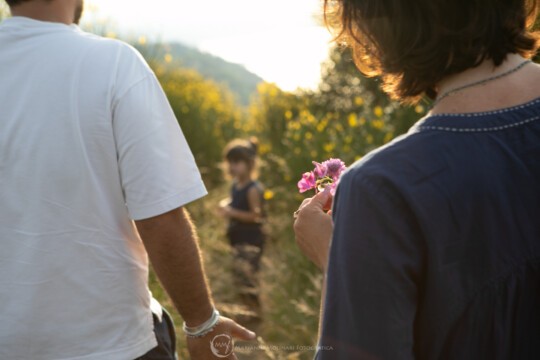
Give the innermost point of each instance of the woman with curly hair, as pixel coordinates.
(435, 237)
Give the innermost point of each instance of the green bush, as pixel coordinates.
(207, 113)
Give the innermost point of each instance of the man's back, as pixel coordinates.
(76, 167)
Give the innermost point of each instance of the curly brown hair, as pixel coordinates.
(412, 45)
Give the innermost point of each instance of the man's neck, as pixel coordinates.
(45, 11)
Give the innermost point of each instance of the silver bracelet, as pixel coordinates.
(203, 329)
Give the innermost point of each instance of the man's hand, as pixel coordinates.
(313, 228)
(219, 344)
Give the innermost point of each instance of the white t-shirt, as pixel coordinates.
(88, 143)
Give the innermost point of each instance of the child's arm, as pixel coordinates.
(255, 204)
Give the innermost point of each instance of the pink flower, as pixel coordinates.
(325, 175)
(308, 182)
(320, 170)
(334, 168)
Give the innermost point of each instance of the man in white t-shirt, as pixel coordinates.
(94, 171)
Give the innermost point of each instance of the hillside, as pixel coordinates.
(241, 82)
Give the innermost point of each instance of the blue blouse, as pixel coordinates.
(436, 246)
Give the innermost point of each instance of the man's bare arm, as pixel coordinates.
(172, 246)
(171, 243)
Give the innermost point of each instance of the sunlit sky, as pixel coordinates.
(280, 40)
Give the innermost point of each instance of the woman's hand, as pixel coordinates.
(218, 344)
(313, 228)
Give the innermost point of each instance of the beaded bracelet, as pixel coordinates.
(203, 329)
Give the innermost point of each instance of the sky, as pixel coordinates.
(280, 40)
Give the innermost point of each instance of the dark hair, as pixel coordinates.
(15, 2)
(242, 150)
(412, 45)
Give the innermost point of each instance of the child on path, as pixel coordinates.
(244, 210)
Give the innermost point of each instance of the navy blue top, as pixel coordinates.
(240, 201)
(436, 246)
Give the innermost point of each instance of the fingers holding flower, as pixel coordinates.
(313, 224)
(313, 228)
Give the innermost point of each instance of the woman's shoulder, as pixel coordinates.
(445, 141)
(406, 160)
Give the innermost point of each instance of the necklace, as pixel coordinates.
(481, 82)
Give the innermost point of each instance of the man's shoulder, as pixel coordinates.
(102, 45)
(125, 63)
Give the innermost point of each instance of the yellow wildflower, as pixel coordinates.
(268, 194)
(369, 139)
(288, 115)
(353, 120)
(377, 124)
(329, 147)
(358, 101)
